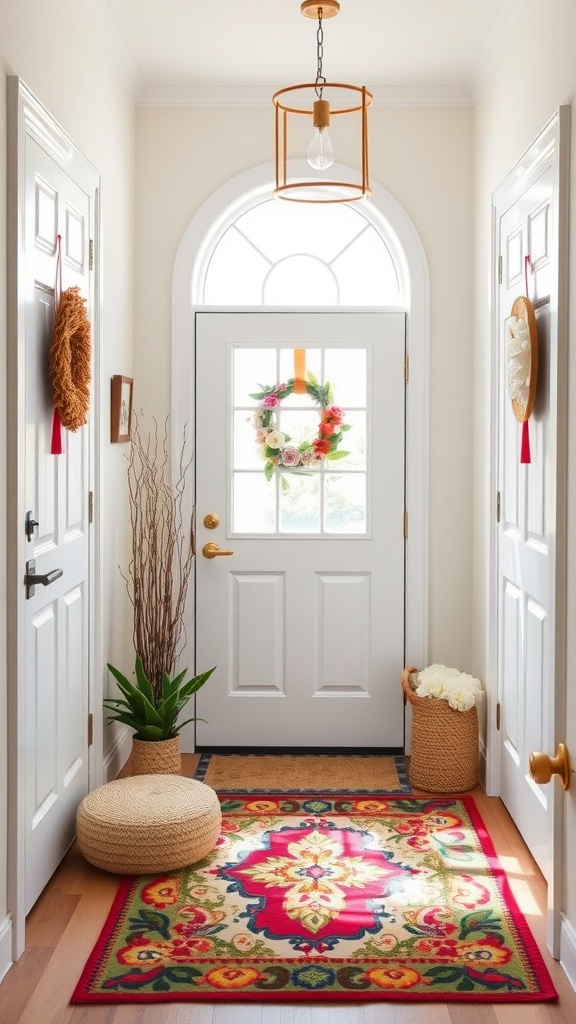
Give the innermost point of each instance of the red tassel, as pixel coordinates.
(57, 445)
(525, 446)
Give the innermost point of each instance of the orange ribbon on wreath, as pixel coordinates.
(299, 371)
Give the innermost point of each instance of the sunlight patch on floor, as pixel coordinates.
(524, 898)
(511, 865)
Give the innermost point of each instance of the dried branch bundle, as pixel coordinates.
(162, 552)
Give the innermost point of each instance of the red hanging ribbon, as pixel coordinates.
(525, 445)
(525, 456)
(527, 263)
(57, 442)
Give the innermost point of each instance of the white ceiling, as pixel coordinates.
(239, 51)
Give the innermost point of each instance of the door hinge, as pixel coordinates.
(500, 270)
(90, 506)
(498, 504)
(405, 524)
(91, 254)
(498, 712)
(406, 368)
(90, 729)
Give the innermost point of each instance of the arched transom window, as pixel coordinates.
(276, 253)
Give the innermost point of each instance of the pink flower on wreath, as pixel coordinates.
(270, 402)
(333, 414)
(290, 456)
(307, 456)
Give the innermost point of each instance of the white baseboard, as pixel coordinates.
(5, 945)
(118, 754)
(568, 950)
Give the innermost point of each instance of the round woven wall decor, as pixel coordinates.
(522, 358)
(70, 360)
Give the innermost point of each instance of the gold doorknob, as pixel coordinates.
(543, 767)
(211, 550)
(211, 521)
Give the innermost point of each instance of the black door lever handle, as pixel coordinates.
(31, 579)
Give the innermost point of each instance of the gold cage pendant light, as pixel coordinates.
(319, 102)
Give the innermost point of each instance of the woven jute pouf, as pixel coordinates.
(147, 824)
(444, 749)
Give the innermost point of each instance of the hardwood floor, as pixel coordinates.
(66, 921)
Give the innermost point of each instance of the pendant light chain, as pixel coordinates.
(320, 80)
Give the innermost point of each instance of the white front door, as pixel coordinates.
(304, 617)
(56, 546)
(529, 622)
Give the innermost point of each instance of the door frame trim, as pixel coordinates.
(27, 117)
(407, 247)
(551, 148)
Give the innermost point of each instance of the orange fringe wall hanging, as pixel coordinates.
(70, 362)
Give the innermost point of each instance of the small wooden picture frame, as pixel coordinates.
(121, 408)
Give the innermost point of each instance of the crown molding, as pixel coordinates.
(504, 24)
(261, 96)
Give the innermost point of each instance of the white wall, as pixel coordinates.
(424, 158)
(536, 74)
(52, 46)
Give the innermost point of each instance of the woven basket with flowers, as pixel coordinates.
(444, 751)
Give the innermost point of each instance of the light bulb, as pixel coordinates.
(320, 151)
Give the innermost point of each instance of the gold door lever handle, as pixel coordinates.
(211, 550)
(543, 767)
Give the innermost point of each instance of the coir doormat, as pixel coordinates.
(324, 898)
(303, 773)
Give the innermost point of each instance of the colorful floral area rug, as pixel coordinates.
(324, 898)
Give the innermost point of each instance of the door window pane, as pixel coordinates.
(254, 504)
(347, 366)
(299, 503)
(252, 366)
(354, 442)
(345, 508)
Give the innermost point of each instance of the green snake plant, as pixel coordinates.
(153, 718)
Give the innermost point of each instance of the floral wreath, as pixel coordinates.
(273, 444)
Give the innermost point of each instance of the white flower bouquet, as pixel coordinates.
(461, 690)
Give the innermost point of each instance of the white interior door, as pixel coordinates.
(56, 615)
(530, 528)
(305, 617)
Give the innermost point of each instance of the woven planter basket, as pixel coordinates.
(444, 753)
(156, 757)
